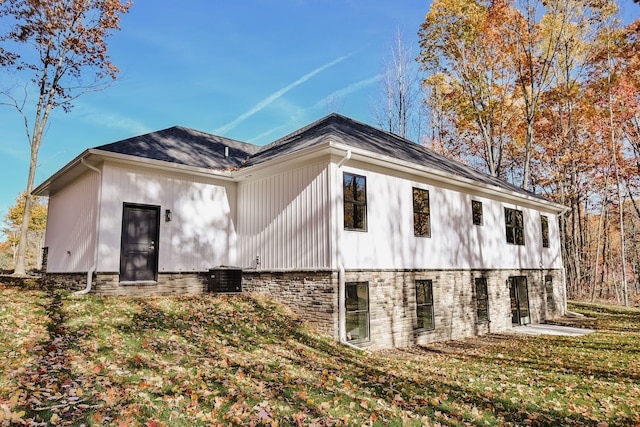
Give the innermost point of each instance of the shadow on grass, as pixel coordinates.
(50, 383)
(303, 365)
(604, 317)
(31, 283)
(244, 348)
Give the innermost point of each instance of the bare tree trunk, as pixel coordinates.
(401, 89)
(526, 177)
(623, 252)
(20, 265)
(606, 243)
(600, 225)
(614, 146)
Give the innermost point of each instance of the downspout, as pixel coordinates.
(346, 157)
(93, 267)
(342, 328)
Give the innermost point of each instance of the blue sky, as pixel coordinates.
(253, 70)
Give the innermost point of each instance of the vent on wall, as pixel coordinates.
(225, 280)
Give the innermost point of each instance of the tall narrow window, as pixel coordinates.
(548, 287)
(424, 304)
(544, 223)
(421, 215)
(482, 299)
(355, 202)
(476, 211)
(514, 226)
(357, 307)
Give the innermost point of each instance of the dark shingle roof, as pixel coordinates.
(344, 130)
(199, 149)
(185, 146)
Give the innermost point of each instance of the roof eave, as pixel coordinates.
(43, 189)
(94, 156)
(332, 147)
(162, 165)
(445, 177)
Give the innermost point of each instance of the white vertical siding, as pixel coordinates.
(202, 232)
(284, 219)
(455, 242)
(71, 226)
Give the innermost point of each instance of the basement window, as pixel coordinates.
(357, 307)
(424, 304)
(482, 299)
(548, 287)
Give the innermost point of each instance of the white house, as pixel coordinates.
(373, 238)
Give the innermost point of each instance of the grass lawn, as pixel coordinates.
(245, 360)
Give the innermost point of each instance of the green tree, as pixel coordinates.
(61, 47)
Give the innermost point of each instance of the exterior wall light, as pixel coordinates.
(167, 215)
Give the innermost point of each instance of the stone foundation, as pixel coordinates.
(109, 283)
(313, 295)
(392, 303)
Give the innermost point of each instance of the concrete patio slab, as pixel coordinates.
(545, 329)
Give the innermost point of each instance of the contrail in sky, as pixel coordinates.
(323, 102)
(347, 90)
(260, 105)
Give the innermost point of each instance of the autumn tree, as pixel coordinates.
(532, 31)
(36, 229)
(627, 89)
(470, 75)
(615, 99)
(5, 262)
(61, 47)
(608, 103)
(546, 94)
(442, 134)
(565, 156)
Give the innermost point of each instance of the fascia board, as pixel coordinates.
(161, 165)
(43, 189)
(94, 157)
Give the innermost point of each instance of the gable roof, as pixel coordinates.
(185, 146)
(343, 130)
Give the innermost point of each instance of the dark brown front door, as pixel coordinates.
(139, 251)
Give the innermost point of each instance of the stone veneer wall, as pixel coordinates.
(313, 295)
(392, 303)
(109, 283)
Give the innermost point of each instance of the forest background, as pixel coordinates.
(545, 95)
